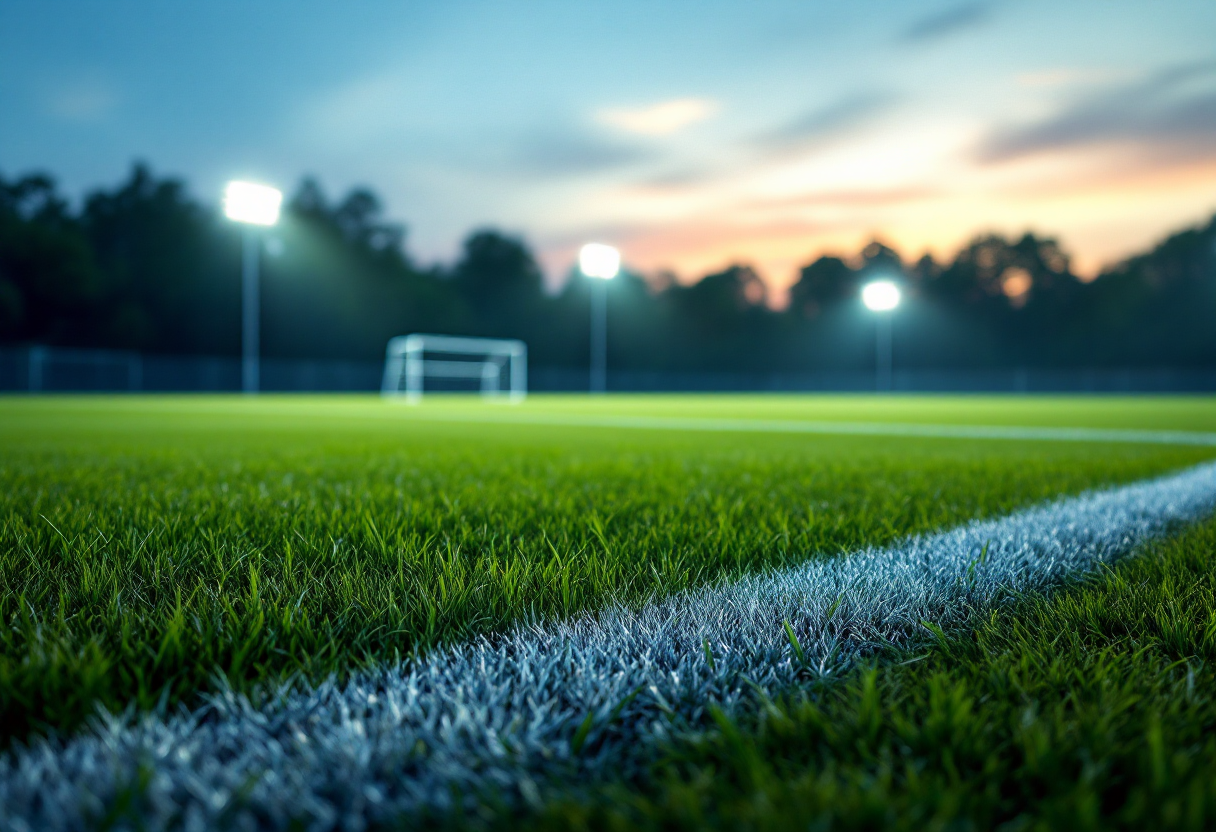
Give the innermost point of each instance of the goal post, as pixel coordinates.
(410, 359)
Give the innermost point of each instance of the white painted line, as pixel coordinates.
(933, 431)
(549, 703)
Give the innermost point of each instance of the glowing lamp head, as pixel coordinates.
(252, 203)
(880, 295)
(598, 260)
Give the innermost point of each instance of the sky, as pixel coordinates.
(691, 135)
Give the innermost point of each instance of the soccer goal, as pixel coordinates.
(499, 367)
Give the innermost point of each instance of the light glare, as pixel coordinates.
(252, 203)
(599, 260)
(880, 296)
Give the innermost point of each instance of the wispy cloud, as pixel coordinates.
(947, 22)
(372, 112)
(363, 110)
(852, 198)
(1064, 76)
(683, 176)
(86, 101)
(572, 152)
(1171, 113)
(659, 119)
(825, 122)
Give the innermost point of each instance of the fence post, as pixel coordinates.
(34, 373)
(135, 372)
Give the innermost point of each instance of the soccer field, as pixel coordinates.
(159, 552)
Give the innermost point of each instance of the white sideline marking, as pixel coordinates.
(565, 701)
(934, 431)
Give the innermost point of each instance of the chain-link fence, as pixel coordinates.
(40, 369)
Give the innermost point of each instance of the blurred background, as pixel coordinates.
(1038, 178)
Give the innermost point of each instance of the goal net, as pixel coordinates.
(498, 367)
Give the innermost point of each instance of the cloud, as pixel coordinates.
(1063, 76)
(947, 22)
(1171, 112)
(360, 112)
(677, 178)
(851, 198)
(825, 122)
(571, 152)
(374, 111)
(660, 119)
(88, 101)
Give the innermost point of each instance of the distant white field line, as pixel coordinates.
(569, 700)
(737, 425)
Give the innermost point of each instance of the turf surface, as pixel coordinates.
(149, 544)
(1092, 709)
(1191, 413)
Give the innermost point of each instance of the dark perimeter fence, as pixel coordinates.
(39, 369)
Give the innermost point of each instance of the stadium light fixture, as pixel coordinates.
(252, 205)
(602, 262)
(882, 296)
(599, 260)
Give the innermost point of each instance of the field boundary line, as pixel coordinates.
(827, 427)
(571, 700)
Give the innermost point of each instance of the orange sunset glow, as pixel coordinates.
(691, 137)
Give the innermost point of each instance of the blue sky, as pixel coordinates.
(689, 134)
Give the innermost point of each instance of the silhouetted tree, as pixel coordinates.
(342, 283)
(880, 260)
(720, 321)
(500, 282)
(1156, 308)
(822, 284)
(145, 265)
(165, 258)
(51, 287)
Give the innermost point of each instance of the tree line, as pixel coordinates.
(147, 266)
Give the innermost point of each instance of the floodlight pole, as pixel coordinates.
(599, 335)
(882, 297)
(249, 310)
(251, 204)
(883, 353)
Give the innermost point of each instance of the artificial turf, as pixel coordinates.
(150, 545)
(1193, 413)
(1089, 709)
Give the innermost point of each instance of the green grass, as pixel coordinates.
(1094, 411)
(1092, 709)
(149, 544)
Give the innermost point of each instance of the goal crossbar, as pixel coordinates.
(406, 364)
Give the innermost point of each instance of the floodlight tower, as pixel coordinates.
(881, 297)
(254, 206)
(602, 262)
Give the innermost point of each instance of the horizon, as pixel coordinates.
(651, 136)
